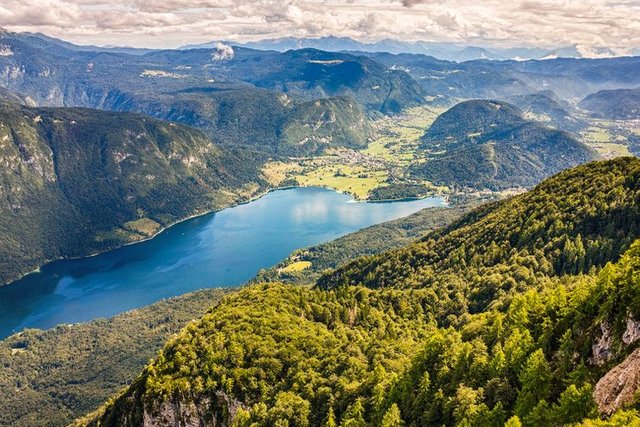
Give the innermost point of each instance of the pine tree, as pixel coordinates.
(535, 380)
(392, 417)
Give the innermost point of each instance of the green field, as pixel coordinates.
(296, 266)
(356, 180)
(389, 153)
(609, 137)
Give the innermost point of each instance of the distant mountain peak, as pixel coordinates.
(441, 50)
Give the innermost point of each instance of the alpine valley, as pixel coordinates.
(513, 299)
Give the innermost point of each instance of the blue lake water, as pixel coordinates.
(220, 249)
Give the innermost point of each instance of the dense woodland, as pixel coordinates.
(489, 144)
(73, 181)
(572, 223)
(365, 348)
(355, 356)
(66, 372)
(52, 377)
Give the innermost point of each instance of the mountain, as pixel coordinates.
(509, 315)
(315, 74)
(547, 108)
(440, 50)
(619, 104)
(569, 78)
(257, 118)
(246, 97)
(45, 42)
(78, 181)
(488, 144)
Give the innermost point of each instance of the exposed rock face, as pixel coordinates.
(177, 413)
(632, 333)
(201, 412)
(619, 385)
(601, 349)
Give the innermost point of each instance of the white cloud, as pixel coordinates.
(160, 23)
(223, 52)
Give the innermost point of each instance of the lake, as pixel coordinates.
(220, 249)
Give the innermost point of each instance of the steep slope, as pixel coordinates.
(86, 364)
(51, 377)
(620, 104)
(315, 74)
(532, 360)
(258, 118)
(282, 355)
(196, 88)
(576, 220)
(488, 144)
(74, 181)
(273, 354)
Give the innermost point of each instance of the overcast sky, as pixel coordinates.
(171, 23)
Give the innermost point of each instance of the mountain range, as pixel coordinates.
(296, 103)
(441, 50)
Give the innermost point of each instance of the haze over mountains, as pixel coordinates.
(441, 50)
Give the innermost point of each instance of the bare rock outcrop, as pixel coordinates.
(202, 412)
(618, 386)
(601, 348)
(632, 333)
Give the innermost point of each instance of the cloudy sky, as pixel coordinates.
(171, 23)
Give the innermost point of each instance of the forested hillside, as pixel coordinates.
(52, 377)
(580, 219)
(546, 107)
(280, 355)
(77, 181)
(245, 116)
(618, 104)
(68, 371)
(438, 335)
(489, 144)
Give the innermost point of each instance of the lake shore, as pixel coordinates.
(258, 195)
(225, 249)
